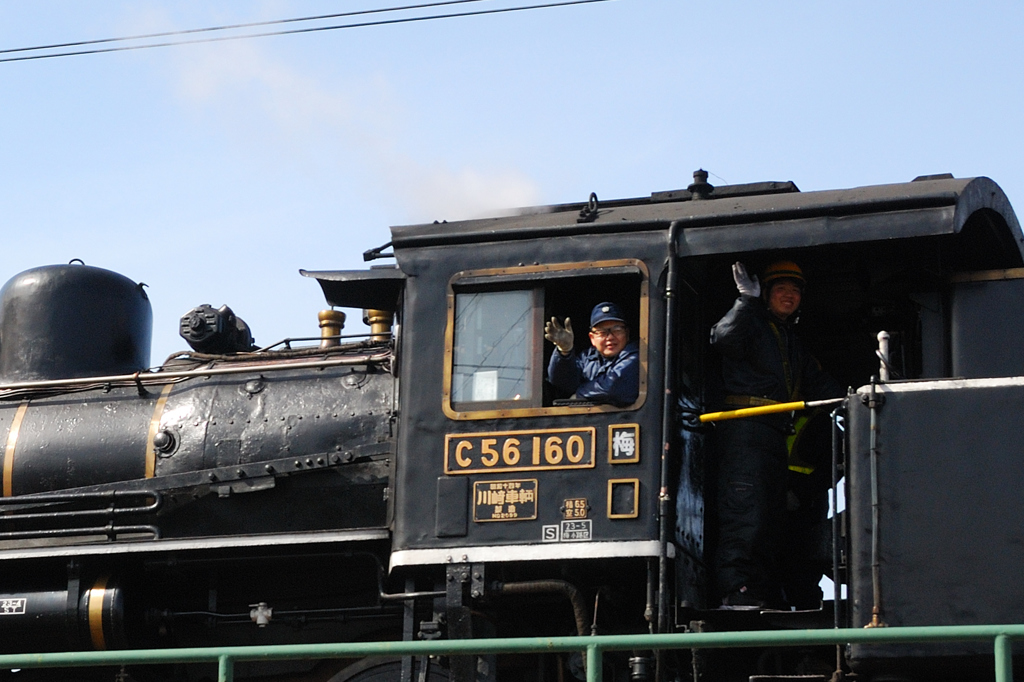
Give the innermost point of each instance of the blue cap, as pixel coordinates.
(605, 311)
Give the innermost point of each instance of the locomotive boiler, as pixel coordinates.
(424, 480)
(294, 447)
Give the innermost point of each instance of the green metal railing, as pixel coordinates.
(225, 657)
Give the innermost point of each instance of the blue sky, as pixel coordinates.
(214, 172)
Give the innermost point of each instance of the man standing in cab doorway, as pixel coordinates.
(763, 363)
(609, 371)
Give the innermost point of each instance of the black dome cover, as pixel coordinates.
(67, 321)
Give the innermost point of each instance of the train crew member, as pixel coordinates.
(609, 371)
(763, 363)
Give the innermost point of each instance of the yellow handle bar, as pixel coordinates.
(767, 409)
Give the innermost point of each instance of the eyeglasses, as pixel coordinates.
(617, 330)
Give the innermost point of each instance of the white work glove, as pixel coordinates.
(748, 286)
(560, 336)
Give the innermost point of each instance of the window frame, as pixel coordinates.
(533, 277)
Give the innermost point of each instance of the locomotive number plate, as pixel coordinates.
(476, 453)
(505, 500)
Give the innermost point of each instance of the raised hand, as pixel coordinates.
(561, 336)
(747, 285)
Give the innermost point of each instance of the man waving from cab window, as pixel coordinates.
(609, 371)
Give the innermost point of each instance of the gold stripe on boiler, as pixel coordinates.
(12, 443)
(154, 427)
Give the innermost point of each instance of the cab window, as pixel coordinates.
(496, 359)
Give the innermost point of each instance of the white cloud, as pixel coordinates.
(354, 128)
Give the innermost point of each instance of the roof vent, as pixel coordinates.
(937, 176)
(700, 189)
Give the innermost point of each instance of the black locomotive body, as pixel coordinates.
(426, 481)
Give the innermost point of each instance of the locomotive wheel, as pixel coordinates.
(388, 670)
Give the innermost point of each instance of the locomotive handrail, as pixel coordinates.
(287, 341)
(110, 531)
(109, 498)
(225, 657)
(163, 376)
(16, 511)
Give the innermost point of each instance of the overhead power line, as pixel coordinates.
(295, 31)
(229, 27)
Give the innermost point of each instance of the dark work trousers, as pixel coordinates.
(751, 507)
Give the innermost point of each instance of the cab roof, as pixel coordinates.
(742, 217)
(730, 219)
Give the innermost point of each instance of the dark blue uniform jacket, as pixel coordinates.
(594, 377)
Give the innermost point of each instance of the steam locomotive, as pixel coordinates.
(424, 481)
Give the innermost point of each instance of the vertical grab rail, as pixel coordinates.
(837, 580)
(874, 402)
(668, 427)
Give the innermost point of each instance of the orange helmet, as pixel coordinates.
(783, 269)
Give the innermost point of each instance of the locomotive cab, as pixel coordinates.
(921, 261)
